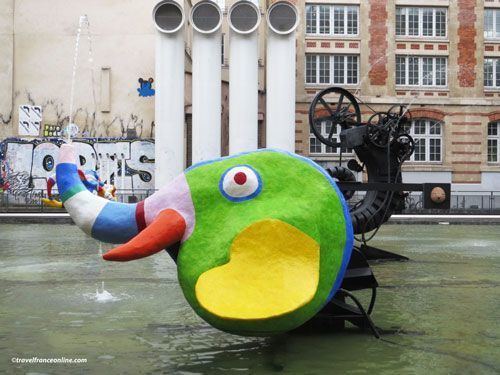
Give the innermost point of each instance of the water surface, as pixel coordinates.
(442, 307)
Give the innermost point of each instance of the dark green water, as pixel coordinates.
(444, 305)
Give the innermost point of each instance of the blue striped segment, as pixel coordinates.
(68, 180)
(115, 223)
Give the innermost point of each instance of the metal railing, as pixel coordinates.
(462, 202)
(30, 200)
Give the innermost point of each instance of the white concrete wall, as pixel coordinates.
(6, 64)
(420, 177)
(490, 181)
(44, 35)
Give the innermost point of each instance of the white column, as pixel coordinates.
(206, 19)
(282, 20)
(168, 16)
(244, 19)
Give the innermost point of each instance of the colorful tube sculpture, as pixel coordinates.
(90, 179)
(261, 239)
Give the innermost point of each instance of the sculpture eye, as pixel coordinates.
(240, 183)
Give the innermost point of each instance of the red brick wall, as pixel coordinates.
(433, 114)
(378, 42)
(466, 42)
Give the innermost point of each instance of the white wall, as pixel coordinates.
(44, 34)
(6, 61)
(421, 177)
(490, 181)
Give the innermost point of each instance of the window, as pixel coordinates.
(311, 68)
(421, 22)
(493, 142)
(332, 69)
(413, 21)
(338, 69)
(316, 147)
(428, 140)
(324, 19)
(332, 19)
(352, 21)
(338, 20)
(491, 23)
(421, 71)
(311, 19)
(401, 15)
(492, 73)
(352, 70)
(324, 68)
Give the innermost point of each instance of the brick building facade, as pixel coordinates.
(440, 57)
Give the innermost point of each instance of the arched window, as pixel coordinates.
(427, 135)
(493, 141)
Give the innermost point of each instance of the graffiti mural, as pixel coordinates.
(25, 164)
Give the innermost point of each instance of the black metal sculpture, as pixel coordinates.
(382, 144)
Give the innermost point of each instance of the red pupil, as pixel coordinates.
(240, 178)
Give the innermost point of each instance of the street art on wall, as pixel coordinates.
(25, 165)
(91, 124)
(52, 130)
(146, 87)
(30, 119)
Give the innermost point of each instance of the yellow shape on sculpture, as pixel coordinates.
(273, 270)
(51, 203)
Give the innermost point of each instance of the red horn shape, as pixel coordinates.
(166, 229)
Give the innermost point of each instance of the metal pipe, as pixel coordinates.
(168, 16)
(244, 19)
(282, 21)
(206, 20)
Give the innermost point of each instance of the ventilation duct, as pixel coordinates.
(282, 21)
(244, 20)
(168, 16)
(206, 20)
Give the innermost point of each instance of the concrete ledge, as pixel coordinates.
(35, 218)
(64, 218)
(445, 219)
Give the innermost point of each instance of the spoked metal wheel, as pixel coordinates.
(385, 127)
(379, 129)
(336, 105)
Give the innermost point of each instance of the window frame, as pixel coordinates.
(493, 138)
(420, 31)
(315, 18)
(495, 15)
(427, 136)
(420, 70)
(495, 65)
(324, 148)
(331, 80)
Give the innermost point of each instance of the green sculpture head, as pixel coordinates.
(265, 238)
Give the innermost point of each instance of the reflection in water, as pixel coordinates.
(439, 311)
